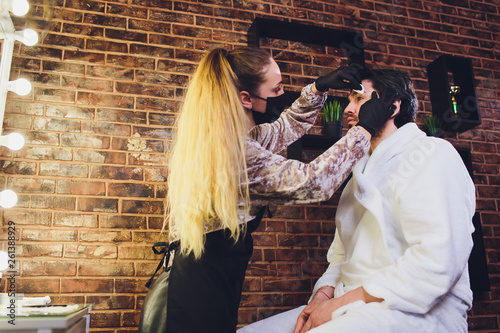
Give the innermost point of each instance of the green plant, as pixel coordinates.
(432, 125)
(333, 110)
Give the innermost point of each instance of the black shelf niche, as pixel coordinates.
(444, 72)
(478, 267)
(350, 41)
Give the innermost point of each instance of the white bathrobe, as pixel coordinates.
(404, 226)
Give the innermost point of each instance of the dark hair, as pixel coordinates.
(401, 84)
(248, 64)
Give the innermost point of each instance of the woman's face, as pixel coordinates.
(271, 87)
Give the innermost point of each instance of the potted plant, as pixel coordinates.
(432, 126)
(333, 111)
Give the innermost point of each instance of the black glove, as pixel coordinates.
(375, 112)
(346, 77)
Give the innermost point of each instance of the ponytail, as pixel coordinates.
(208, 164)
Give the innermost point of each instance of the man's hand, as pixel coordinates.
(323, 294)
(322, 313)
(345, 77)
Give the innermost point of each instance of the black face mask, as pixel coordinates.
(275, 106)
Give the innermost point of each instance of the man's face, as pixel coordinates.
(270, 88)
(355, 101)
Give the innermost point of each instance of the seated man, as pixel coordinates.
(398, 262)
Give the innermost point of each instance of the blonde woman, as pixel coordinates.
(224, 169)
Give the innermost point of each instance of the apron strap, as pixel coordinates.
(165, 249)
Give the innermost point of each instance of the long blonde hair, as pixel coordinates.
(208, 164)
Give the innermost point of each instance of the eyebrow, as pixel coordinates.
(353, 95)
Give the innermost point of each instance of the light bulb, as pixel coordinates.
(8, 198)
(28, 37)
(21, 86)
(13, 141)
(17, 7)
(4, 261)
(20, 7)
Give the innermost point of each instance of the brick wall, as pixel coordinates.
(108, 77)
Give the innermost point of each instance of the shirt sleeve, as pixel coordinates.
(435, 211)
(273, 179)
(335, 256)
(292, 124)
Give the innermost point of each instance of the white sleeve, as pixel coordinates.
(335, 256)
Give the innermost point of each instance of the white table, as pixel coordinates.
(75, 322)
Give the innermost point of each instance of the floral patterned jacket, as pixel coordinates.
(275, 180)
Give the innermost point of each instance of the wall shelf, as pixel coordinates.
(443, 73)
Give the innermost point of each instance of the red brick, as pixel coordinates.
(130, 190)
(97, 205)
(112, 302)
(122, 116)
(89, 285)
(90, 251)
(64, 170)
(105, 268)
(17, 121)
(127, 10)
(131, 319)
(298, 240)
(144, 89)
(266, 299)
(170, 16)
(123, 221)
(110, 100)
(280, 284)
(251, 284)
(157, 104)
(105, 236)
(54, 235)
(65, 299)
(105, 128)
(65, 203)
(146, 269)
(137, 252)
(68, 111)
(17, 167)
(130, 285)
(137, 145)
(60, 125)
(63, 40)
(104, 319)
(41, 202)
(94, 156)
(41, 250)
(147, 159)
(48, 268)
(24, 107)
(37, 285)
(91, 20)
(85, 141)
(128, 61)
(116, 173)
(142, 207)
(149, 237)
(27, 217)
(110, 72)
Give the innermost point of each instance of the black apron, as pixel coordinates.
(200, 296)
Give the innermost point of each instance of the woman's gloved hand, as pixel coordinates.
(345, 77)
(375, 112)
